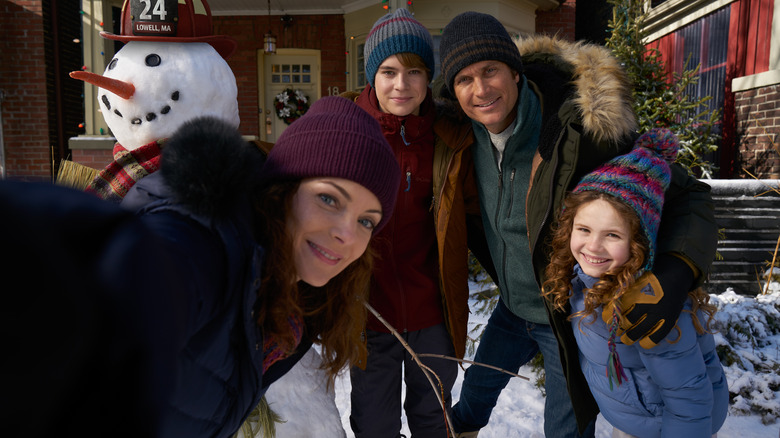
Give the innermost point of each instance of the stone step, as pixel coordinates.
(750, 239)
(740, 267)
(742, 287)
(750, 222)
(748, 232)
(751, 226)
(748, 211)
(756, 201)
(751, 258)
(742, 187)
(736, 252)
(747, 241)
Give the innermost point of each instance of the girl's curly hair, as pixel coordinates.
(559, 272)
(612, 284)
(334, 314)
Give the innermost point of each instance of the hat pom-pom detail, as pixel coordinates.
(661, 141)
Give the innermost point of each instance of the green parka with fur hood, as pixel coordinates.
(587, 119)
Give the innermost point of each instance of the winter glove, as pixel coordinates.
(653, 303)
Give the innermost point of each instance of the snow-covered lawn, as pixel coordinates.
(749, 331)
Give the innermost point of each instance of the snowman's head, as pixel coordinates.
(173, 82)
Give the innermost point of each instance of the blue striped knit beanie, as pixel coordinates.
(639, 179)
(396, 33)
(473, 37)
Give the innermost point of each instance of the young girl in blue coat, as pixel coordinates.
(603, 243)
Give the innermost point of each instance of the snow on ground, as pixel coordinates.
(520, 408)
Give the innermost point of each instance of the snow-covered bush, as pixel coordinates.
(748, 339)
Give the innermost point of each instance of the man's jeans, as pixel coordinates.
(508, 343)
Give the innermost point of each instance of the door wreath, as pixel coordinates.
(290, 105)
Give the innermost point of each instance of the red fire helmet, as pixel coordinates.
(175, 21)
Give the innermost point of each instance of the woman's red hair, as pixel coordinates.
(334, 314)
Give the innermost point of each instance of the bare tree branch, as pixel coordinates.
(426, 371)
(441, 356)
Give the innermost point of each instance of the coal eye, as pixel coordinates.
(153, 60)
(112, 64)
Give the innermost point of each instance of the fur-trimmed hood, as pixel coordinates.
(209, 166)
(206, 167)
(601, 88)
(586, 73)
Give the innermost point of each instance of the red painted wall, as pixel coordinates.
(750, 32)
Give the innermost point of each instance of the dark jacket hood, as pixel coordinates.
(208, 166)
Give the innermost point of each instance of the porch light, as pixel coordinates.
(269, 43)
(269, 39)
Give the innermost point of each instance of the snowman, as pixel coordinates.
(170, 70)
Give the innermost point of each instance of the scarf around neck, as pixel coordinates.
(128, 167)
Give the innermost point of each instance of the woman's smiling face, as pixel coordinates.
(331, 224)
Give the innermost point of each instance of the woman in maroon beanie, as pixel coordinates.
(269, 261)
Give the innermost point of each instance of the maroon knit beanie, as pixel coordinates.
(339, 139)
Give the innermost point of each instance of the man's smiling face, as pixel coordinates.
(487, 92)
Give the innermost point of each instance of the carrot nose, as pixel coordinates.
(122, 89)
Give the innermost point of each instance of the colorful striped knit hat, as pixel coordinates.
(639, 178)
(473, 37)
(395, 33)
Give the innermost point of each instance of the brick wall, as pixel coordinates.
(558, 21)
(94, 158)
(758, 132)
(321, 32)
(23, 82)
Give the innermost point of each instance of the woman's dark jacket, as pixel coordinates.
(198, 202)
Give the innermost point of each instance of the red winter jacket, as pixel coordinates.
(405, 285)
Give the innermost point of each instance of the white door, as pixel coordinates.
(295, 72)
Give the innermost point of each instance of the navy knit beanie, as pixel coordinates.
(337, 138)
(396, 33)
(473, 37)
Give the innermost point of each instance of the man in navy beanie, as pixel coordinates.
(545, 112)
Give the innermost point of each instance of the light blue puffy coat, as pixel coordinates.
(676, 389)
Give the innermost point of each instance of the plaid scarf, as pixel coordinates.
(128, 167)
